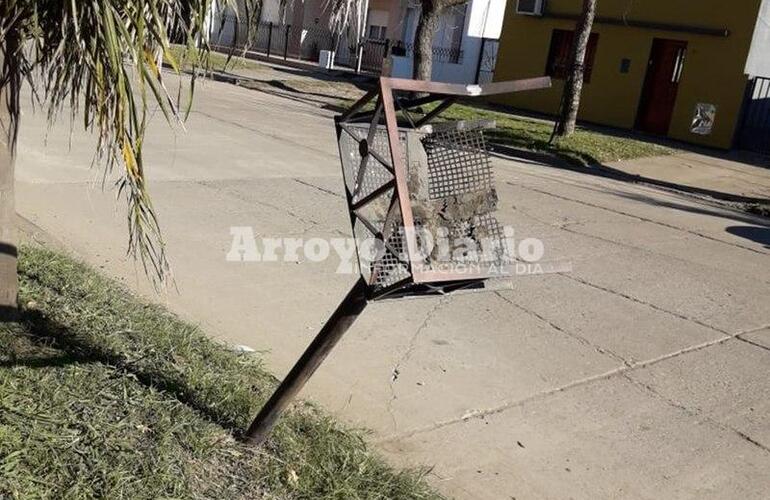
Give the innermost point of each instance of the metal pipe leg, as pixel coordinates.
(339, 322)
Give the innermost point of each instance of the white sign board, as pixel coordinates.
(703, 119)
(486, 19)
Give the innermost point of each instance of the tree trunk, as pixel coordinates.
(9, 107)
(574, 85)
(427, 25)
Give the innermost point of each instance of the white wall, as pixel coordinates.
(271, 11)
(758, 63)
(465, 70)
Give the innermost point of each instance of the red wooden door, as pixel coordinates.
(664, 71)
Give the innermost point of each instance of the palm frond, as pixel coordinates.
(99, 58)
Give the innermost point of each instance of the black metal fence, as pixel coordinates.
(754, 134)
(487, 60)
(306, 43)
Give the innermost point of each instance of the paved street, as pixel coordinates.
(642, 373)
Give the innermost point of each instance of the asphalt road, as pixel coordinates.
(644, 372)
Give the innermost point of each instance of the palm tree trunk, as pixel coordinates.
(427, 25)
(9, 102)
(574, 86)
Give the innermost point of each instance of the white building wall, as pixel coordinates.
(464, 71)
(271, 11)
(758, 63)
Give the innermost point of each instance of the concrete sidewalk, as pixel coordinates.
(735, 173)
(643, 373)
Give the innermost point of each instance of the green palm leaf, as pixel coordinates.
(100, 58)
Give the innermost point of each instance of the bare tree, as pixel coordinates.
(573, 87)
(427, 25)
(8, 129)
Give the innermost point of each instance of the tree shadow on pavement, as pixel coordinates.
(723, 213)
(600, 170)
(361, 82)
(756, 234)
(67, 347)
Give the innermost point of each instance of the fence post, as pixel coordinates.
(286, 41)
(481, 58)
(360, 55)
(269, 37)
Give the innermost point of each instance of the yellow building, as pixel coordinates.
(667, 67)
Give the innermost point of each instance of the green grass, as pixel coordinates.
(217, 60)
(105, 396)
(761, 209)
(584, 148)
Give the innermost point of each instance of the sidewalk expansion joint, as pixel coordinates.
(620, 371)
(582, 340)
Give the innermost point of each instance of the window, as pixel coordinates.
(377, 32)
(456, 26)
(447, 44)
(678, 64)
(561, 50)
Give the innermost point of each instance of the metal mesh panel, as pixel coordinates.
(390, 269)
(350, 157)
(451, 195)
(458, 162)
(376, 175)
(385, 269)
(458, 200)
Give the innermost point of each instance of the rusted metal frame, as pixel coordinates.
(419, 101)
(436, 111)
(397, 159)
(377, 156)
(369, 139)
(437, 276)
(374, 194)
(361, 117)
(387, 228)
(404, 110)
(405, 103)
(441, 289)
(335, 327)
(357, 105)
(344, 126)
(388, 85)
(466, 90)
(340, 127)
(390, 289)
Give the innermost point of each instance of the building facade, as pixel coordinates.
(676, 68)
(302, 29)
